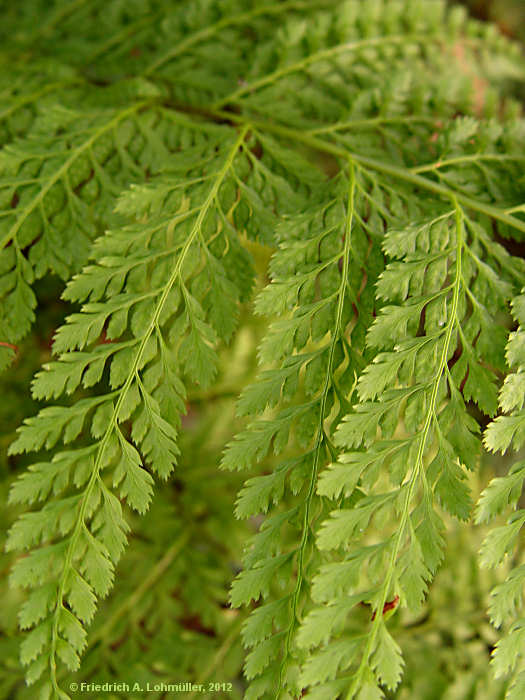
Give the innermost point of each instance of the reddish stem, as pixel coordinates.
(389, 605)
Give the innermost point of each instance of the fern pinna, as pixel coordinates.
(153, 155)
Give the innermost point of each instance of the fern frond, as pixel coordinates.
(507, 432)
(330, 73)
(58, 187)
(173, 584)
(164, 276)
(145, 153)
(24, 94)
(316, 288)
(411, 413)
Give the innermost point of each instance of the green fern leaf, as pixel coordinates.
(154, 159)
(422, 380)
(502, 492)
(89, 549)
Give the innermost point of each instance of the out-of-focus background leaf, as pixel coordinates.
(509, 15)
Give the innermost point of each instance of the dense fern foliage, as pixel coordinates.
(288, 237)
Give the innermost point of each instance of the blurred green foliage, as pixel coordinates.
(509, 15)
